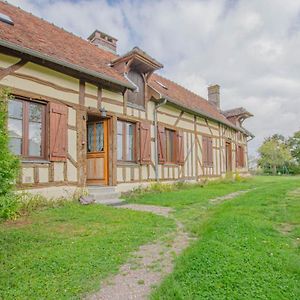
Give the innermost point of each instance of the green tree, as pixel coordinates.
(9, 164)
(294, 144)
(274, 154)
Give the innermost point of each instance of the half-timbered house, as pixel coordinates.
(82, 115)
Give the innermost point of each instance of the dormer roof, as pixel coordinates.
(139, 60)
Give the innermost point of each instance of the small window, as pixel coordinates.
(170, 146)
(126, 141)
(26, 128)
(137, 97)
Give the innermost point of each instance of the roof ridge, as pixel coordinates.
(56, 27)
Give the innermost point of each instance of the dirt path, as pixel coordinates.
(152, 262)
(221, 199)
(148, 266)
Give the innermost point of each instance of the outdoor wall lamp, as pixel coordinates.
(102, 112)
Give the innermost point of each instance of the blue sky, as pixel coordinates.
(248, 47)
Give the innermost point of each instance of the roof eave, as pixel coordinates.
(63, 63)
(200, 113)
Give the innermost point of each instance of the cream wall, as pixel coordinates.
(48, 84)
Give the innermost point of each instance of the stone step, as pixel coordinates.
(111, 202)
(101, 189)
(105, 195)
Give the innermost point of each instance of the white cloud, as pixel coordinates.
(249, 47)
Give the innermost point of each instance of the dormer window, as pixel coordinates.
(136, 97)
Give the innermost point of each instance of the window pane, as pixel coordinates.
(119, 147)
(15, 109)
(129, 141)
(90, 138)
(170, 146)
(15, 128)
(99, 137)
(120, 127)
(35, 139)
(120, 140)
(15, 146)
(35, 112)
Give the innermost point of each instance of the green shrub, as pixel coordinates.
(14, 205)
(9, 207)
(29, 203)
(8, 162)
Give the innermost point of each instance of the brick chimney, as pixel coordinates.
(214, 95)
(103, 40)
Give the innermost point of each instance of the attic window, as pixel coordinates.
(6, 19)
(162, 85)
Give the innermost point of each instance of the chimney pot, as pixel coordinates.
(214, 95)
(103, 41)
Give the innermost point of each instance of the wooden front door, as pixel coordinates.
(228, 157)
(97, 153)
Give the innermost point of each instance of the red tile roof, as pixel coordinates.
(36, 34)
(185, 98)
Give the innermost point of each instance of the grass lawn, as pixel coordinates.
(62, 253)
(247, 247)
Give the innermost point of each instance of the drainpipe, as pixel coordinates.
(158, 105)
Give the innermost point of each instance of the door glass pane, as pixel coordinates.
(15, 109)
(35, 139)
(130, 141)
(99, 137)
(90, 138)
(120, 140)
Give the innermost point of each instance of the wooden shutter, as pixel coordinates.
(237, 155)
(161, 144)
(204, 151)
(58, 132)
(210, 152)
(179, 148)
(145, 143)
(241, 154)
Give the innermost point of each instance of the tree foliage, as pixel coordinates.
(9, 164)
(294, 144)
(274, 154)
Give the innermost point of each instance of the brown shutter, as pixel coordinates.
(237, 156)
(210, 152)
(58, 132)
(204, 151)
(179, 147)
(161, 144)
(145, 143)
(241, 156)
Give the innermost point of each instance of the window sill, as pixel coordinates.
(127, 163)
(132, 105)
(35, 161)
